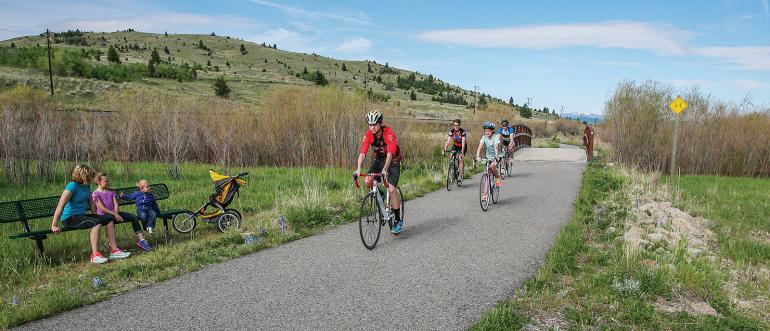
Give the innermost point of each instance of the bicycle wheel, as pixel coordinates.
(184, 222)
(483, 188)
(369, 221)
(460, 176)
(450, 175)
(401, 199)
(495, 194)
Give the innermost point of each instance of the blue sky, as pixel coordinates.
(558, 53)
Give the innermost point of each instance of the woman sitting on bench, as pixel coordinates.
(71, 210)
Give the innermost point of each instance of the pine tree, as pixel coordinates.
(112, 55)
(304, 71)
(13, 45)
(369, 67)
(243, 49)
(227, 63)
(275, 46)
(151, 68)
(165, 33)
(165, 50)
(510, 101)
(220, 87)
(344, 68)
(320, 79)
(412, 96)
(208, 63)
(154, 56)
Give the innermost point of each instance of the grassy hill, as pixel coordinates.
(250, 74)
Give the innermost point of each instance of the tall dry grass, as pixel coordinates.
(715, 137)
(294, 127)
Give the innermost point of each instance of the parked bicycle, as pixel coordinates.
(487, 189)
(453, 174)
(375, 210)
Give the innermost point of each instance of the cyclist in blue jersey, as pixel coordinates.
(506, 135)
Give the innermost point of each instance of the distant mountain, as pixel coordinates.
(584, 117)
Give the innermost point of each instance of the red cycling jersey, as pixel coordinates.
(382, 145)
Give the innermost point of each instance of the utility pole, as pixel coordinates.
(529, 102)
(476, 94)
(561, 112)
(50, 73)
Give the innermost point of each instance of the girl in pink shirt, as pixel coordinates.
(106, 202)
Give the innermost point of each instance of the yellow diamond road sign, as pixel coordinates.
(678, 105)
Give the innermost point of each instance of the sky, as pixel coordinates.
(569, 54)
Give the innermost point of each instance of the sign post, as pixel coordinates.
(677, 106)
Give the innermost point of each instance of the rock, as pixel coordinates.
(655, 237)
(683, 226)
(702, 308)
(634, 236)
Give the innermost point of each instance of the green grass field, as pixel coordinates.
(63, 280)
(591, 280)
(740, 208)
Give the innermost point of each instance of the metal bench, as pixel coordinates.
(24, 211)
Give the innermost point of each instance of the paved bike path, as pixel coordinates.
(451, 264)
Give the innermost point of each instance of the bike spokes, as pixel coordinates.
(369, 221)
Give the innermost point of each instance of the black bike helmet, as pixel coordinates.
(504, 122)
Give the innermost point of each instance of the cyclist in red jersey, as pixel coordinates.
(387, 160)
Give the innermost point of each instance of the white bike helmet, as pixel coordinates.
(489, 125)
(374, 117)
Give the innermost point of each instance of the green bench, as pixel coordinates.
(23, 211)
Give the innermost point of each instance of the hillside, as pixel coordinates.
(250, 71)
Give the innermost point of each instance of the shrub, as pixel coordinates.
(220, 87)
(715, 137)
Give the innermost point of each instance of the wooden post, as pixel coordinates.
(673, 145)
(50, 73)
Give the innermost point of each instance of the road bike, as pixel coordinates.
(506, 164)
(453, 174)
(487, 189)
(375, 210)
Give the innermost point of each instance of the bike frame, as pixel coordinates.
(384, 209)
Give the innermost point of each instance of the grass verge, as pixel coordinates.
(594, 279)
(312, 199)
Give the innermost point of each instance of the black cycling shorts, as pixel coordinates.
(456, 149)
(394, 172)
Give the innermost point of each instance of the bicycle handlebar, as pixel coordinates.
(374, 174)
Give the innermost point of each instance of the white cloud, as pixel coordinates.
(687, 83)
(355, 45)
(158, 21)
(657, 37)
(295, 11)
(750, 84)
(752, 58)
(286, 39)
(615, 63)
(108, 15)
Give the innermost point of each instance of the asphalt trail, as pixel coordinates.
(451, 264)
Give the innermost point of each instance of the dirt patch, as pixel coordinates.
(691, 306)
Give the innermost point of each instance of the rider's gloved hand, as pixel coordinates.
(443, 153)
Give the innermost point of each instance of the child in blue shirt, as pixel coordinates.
(146, 207)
